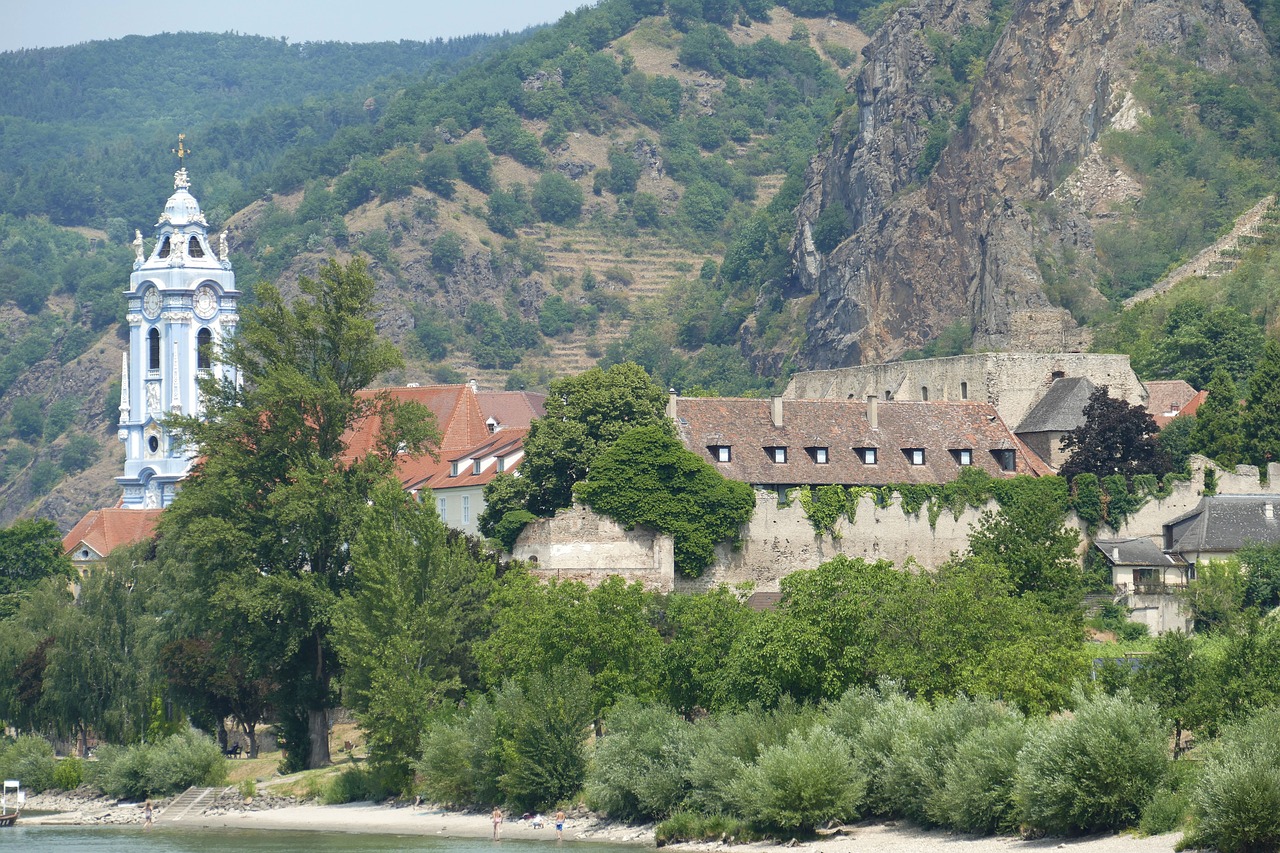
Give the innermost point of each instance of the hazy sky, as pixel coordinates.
(40, 23)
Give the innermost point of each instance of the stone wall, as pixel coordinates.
(578, 544)
(1012, 382)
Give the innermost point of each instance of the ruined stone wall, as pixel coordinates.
(1012, 382)
(578, 544)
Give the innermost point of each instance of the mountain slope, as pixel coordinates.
(954, 201)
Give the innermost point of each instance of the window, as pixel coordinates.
(924, 393)
(964, 390)
(963, 456)
(453, 468)
(777, 454)
(866, 454)
(818, 455)
(1005, 459)
(915, 455)
(475, 469)
(153, 444)
(502, 464)
(194, 249)
(164, 248)
(466, 509)
(204, 349)
(153, 349)
(721, 452)
(442, 507)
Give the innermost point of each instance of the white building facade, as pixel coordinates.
(182, 304)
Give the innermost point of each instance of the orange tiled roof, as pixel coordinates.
(502, 444)
(512, 409)
(1167, 399)
(840, 426)
(104, 530)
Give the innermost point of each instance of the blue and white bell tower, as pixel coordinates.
(182, 308)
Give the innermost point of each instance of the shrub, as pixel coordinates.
(637, 772)
(977, 783)
(724, 746)
(30, 759)
(912, 775)
(460, 760)
(685, 826)
(810, 780)
(874, 746)
(360, 784)
(68, 774)
(1236, 804)
(1095, 770)
(157, 769)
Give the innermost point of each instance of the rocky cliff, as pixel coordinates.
(1020, 181)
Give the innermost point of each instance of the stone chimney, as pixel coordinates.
(873, 411)
(775, 410)
(1115, 555)
(671, 403)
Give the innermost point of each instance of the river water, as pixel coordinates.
(79, 839)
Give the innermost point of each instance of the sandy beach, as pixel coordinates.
(408, 820)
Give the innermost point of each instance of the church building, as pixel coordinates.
(181, 307)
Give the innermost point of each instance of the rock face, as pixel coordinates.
(971, 240)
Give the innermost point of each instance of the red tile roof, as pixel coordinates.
(502, 444)
(512, 408)
(1167, 399)
(104, 530)
(746, 426)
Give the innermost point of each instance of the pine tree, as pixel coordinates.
(1219, 432)
(1262, 411)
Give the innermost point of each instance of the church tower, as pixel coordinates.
(182, 308)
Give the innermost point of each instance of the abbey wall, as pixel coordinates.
(1012, 382)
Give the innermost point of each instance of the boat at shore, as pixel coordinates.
(9, 818)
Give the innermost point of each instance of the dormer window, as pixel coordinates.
(453, 468)
(1005, 459)
(491, 425)
(915, 455)
(819, 455)
(502, 464)
(777, 454)
(866, 454)
(962, 456)
(721, 452)
(475, 467)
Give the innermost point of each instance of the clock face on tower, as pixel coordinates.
(151, 302)
(206, 301)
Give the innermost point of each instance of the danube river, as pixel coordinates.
(79, 839)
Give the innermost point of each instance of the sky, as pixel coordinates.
(38, 23)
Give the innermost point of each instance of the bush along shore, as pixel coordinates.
(971, 765)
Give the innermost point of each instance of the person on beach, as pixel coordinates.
(497, 821)
(560, 825)
(146, 815)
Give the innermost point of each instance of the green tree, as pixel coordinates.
(648, 477)
(475, 166)
(557, 198)
(404, 631)
(606, 632)
(700, 631)
(30, 551)
(262, 528)
(585, 415)
(1261, 421)
(1027, 538)
(1115, 438)
(1197, 341)
(1168, 680)
(1219, 425)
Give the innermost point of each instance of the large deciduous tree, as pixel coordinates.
(1115, 438)
(30, 551)
(585, 415)
(263, 526)
(647, 477)
(404, 633)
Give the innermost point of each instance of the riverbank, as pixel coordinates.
(887, 837)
